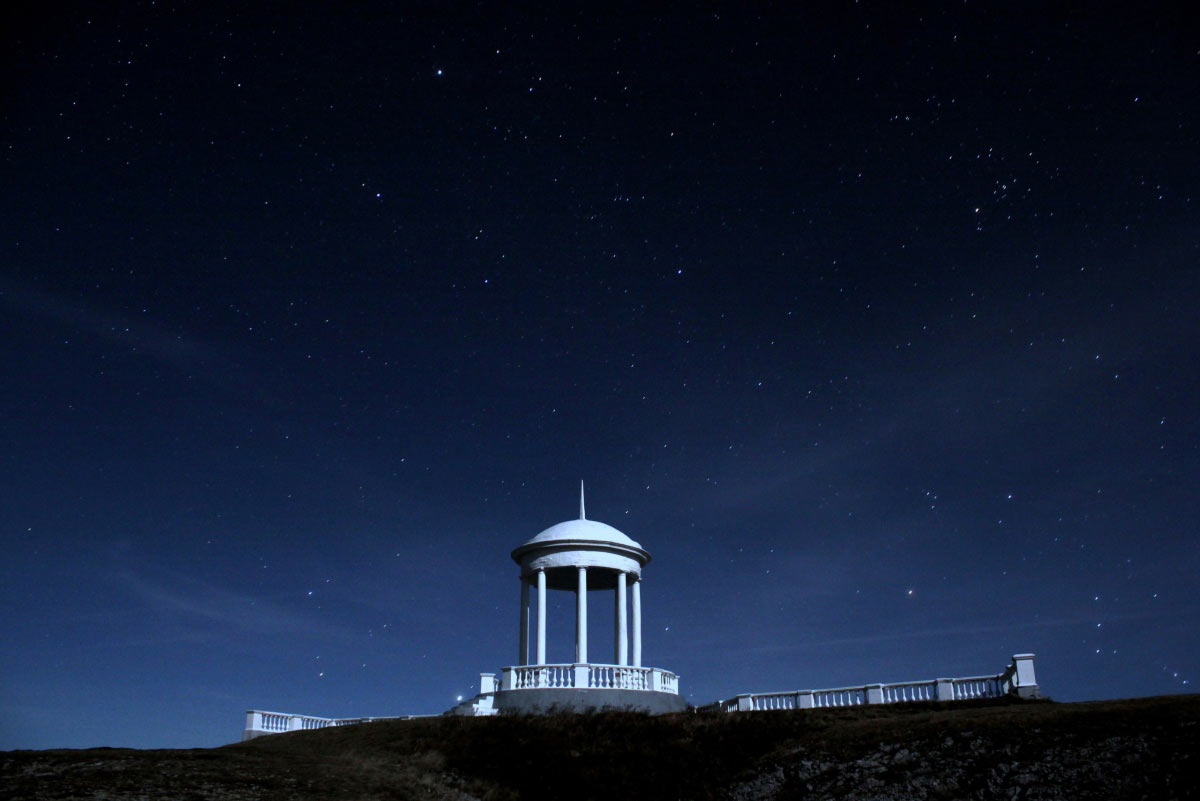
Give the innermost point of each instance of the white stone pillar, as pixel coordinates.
(622, 638)
(541, 619)
(637, 622)
(1025, 678)
(581, 655)
(523, 659)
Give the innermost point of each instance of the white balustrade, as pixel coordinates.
(842, 696)
(1007, 683)
(529, 677)
(1018, 679)
(977, 687)
(598, 677)
(602, 677)
(274, 722)
(618, 677)
(775, 701)
(259, 722)
(913, 691)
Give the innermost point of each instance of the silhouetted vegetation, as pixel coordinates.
(997, 749)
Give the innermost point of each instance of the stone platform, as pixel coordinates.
(571, 699)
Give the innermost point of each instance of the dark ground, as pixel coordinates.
(1139, 748)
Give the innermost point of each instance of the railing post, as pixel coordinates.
(874, 693)
(804, 700)
(506, 678)
(1026, 680)
(655, 680)
(745, 703)
(945, 689)
(581, 676)
(295, 724)
(487, 682)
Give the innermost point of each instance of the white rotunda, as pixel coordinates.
(586, 556)
(580, 556)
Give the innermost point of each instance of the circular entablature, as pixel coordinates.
(567, 578)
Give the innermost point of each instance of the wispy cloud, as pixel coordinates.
(140, 335)
(199, 602)
(947, 631)
(912, 419)
(180, 351)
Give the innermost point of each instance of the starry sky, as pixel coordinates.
(878, 328)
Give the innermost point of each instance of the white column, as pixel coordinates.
(622, 638)
(581, 618)
(637, 622)
(541, 620)
(523, 659)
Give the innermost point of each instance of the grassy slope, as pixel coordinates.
(615, 756)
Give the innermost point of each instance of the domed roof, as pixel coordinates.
(581, 536)
(586, 530)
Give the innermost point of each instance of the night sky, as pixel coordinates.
(878, 328)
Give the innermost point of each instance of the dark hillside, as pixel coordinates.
(1141, 748)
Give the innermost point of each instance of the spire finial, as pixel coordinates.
(582, 516)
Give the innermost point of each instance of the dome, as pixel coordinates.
(581, 530)
(580, 543)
